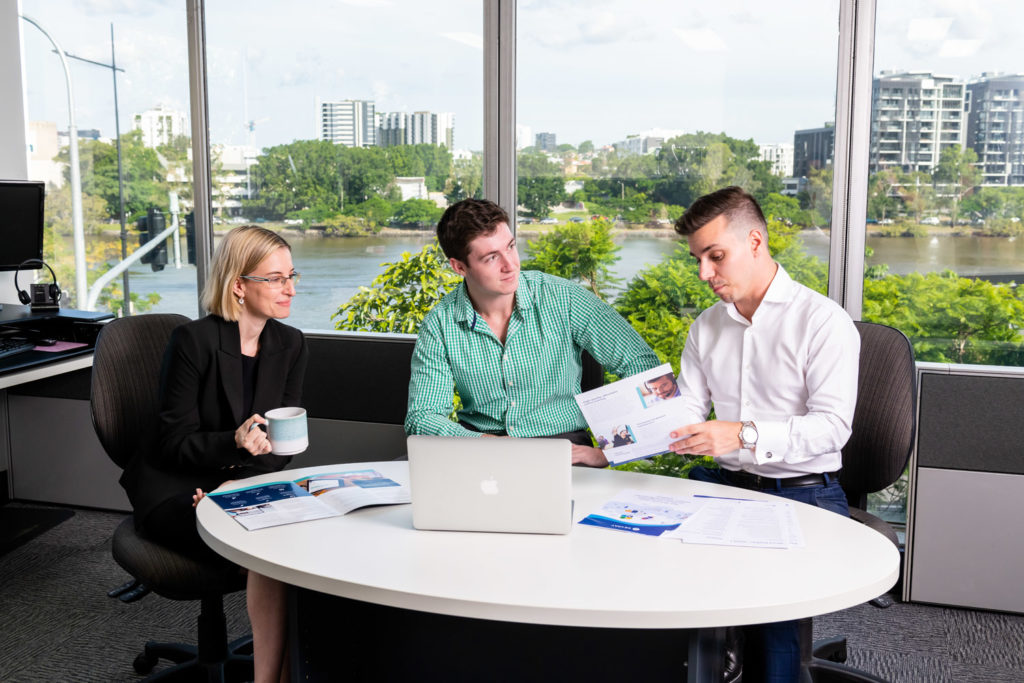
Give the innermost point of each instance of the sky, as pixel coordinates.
(598, 70)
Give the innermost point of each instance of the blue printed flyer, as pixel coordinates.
(643, 513)
(323, 495)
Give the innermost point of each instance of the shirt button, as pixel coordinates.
(746, 403)
(513, 403)
(768, 455)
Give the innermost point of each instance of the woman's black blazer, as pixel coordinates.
(201, 407)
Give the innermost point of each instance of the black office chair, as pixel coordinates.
(125, 407)
(875, 457)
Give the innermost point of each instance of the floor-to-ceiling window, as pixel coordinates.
(348, 126)
(151, 187)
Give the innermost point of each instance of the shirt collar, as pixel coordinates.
(463, 308)
(781, 290)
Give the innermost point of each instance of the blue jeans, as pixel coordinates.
(772, 651)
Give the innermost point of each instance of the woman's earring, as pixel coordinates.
(241, 300)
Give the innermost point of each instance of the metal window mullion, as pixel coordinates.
(499, 179)
(850, 154)
(201, 180)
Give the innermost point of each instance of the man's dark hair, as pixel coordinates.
(734, 203)
(464, 221)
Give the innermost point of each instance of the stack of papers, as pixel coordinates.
(702, 519)
(324, 495)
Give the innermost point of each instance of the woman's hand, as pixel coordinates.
(197, 496)
(250, 437)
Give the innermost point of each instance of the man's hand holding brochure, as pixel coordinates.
(632, 418)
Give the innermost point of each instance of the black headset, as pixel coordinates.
(53, 290)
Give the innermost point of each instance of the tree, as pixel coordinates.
(421, 212)
(466, 179)
(145, 178)
(583, 252)
(949, 319)
(955, 177)
(375, 210)
(399, 298)
(586, 147)
(538, 195)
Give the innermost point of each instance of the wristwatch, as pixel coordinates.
(748, 435)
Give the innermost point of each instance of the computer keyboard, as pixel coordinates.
(9, 347)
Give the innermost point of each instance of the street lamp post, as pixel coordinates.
(76, 175)
(114, 68)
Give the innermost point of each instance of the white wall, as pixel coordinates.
(13, 146)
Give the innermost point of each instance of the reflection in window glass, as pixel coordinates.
(946, 184)
(349, 127)
(628, 112)
(156, 171)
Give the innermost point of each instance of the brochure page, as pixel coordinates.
(632, 418)
(643, 513)
(323, 495)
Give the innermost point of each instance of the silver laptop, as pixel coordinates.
(506, 484)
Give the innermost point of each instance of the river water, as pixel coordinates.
(333, 269)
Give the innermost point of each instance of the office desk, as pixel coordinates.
(603, 585)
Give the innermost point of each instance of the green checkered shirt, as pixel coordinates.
(526, 386)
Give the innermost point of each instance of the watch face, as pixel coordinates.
(748, 434)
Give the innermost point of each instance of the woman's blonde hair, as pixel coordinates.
(241, 250)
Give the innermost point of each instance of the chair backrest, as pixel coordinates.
(124, 397)
(883, 422)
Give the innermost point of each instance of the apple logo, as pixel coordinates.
(489, 486)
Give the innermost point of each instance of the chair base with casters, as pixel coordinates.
(178, 577)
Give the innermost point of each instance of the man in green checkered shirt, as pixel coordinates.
(509, 342)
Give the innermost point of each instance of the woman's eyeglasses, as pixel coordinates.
(277, 282)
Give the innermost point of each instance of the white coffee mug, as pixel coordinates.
(287, 430)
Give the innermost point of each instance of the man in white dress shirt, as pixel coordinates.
(779, 364)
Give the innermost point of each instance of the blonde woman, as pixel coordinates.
(220, 375)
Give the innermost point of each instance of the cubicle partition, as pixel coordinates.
(967, 484)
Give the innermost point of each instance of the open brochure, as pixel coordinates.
(702, 519)
(324, 495)
(632, 418)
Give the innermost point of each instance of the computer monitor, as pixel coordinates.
(21, 222)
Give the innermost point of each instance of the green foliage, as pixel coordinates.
(432, 162)
(541, 184)
(662, 302)
(401, 296)
(145, 178)
(466, 180)
(348, 226)
(376, 210)
(950, 319)
(583, 252)
(669, 464)
(956, 175)
(419, 212)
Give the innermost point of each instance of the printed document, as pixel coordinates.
(632, 418)
(324, 495)
(741, 522)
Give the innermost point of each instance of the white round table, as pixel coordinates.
(592, 577)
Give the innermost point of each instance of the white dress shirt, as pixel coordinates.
(792, 371)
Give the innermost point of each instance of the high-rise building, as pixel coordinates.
(914, 116)
(418, 128)
(546, 142)
(995, 127)
(781, 157)
(160, 125)
(813, 148)
(352, 123)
